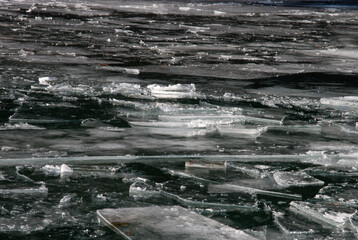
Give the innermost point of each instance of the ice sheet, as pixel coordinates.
(166, 223)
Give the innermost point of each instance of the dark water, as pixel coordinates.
(122, 91)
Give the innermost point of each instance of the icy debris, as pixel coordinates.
(145, 190)
(248, 170)
(178, 132)
(7, 148)
(241, 131)
(68, 90)
(132, 71)
(23, 224)
(42, 191)
(186, 175)
(65, 169)
(341, 103)
(164, 223)
(46, 80)
(51, 169)
(309, 129)
(205, 164)
(231, 188)
(173, 91)
(19, 126)
(344, 194)
(295, 225)
(296, 179)
(329, 215)
(128, 90)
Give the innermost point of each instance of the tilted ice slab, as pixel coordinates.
(296, 179)
(166, 223)
(294, 225)
(328, 214)
(344, 194)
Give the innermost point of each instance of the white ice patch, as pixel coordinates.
(67, 90)
(19, 126)
(341, 103)
(46, 80)
(176, 91)
(51, 169)
(65, 169)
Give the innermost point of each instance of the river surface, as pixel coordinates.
(190, 98)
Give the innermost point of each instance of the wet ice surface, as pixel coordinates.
(244, 113)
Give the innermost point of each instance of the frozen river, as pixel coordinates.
(243, 111)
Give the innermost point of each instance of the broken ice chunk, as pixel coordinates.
(240, 131)
(329, 215)
(296, 179)
(353, 222)
(230, 188)
(143, 190)
(309, 129)
(51, 169)
(65, 169)
(344, 194)
(205, 164)
(42, 191)
(341, 103)
(165, 223)
(294, 225)
(46, 80)
(247, 169)
(173, 91)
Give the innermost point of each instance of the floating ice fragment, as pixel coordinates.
(51, 169)
(46, 80)
(341, 103)
(296, 179)
(65, 199)
(164, 223)
(19, 126)
(7, 148)
(42, 191)
(230, 188)
(205, 164)
(65, 169)
(132, 71)
(177, 91)
(241, 131)
(309, 129)
(294, 225)
(145, 190)
(328, 214)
